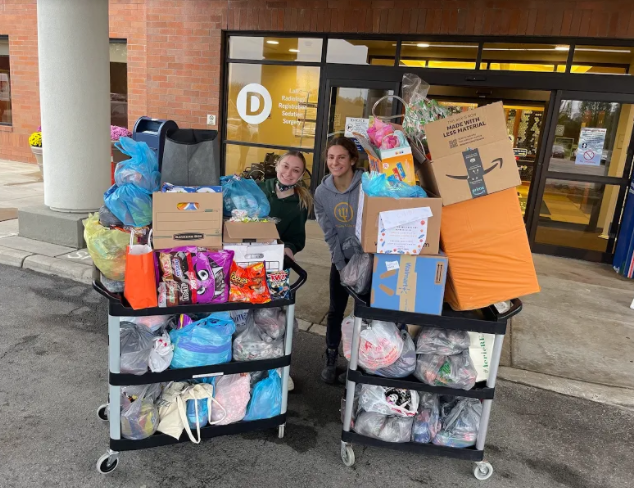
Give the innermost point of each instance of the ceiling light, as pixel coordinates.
(422, 44)
(293, 50)
(562, 48)
(272, 42)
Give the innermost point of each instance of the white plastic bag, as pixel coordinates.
(480, 352)
(233, 392)
(380, 343)
(271, 321)
(444, 342)
(136, 344)
(161, 353)
(384, 427)
(405, 364)
(455, 371)
(388, 401)
(152, 322)
(254, 344)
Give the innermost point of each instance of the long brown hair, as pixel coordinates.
(305, 197)
(348, 145)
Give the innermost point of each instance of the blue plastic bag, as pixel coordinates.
(204, 342)
(376, 184)
(243, 194)
(141, 169)
(266, 398)
(130, 204)
(203, 412)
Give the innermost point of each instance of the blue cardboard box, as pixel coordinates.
(409, 283)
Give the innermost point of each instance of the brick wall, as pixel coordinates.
(174, 46)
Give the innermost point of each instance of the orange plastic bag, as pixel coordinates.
(490, 260)
(249, 284)
(140, 277)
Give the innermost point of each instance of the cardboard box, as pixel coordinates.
(409, 283)
(397, 162)
(368, 212)
(490, 260)
(174, 226)
(472, 155)
(254, 242)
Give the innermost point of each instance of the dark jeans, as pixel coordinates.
(338, 303)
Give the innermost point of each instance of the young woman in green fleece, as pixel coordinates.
(290, 203)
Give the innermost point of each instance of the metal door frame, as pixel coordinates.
(622, 182)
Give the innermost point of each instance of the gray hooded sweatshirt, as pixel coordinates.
(336, 214)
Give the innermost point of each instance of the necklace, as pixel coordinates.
(281, 187)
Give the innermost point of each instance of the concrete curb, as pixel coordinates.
(13, 257)
(57, 267)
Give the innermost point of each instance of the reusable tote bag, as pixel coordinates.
(140, 280)
(191, 158)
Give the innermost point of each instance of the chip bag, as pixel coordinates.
(249, 284)
(279, 284)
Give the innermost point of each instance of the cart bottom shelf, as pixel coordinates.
(208, 432)
(468, 453)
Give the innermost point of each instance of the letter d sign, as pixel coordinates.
(254, 103)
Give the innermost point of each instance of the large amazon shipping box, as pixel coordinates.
(471, 155)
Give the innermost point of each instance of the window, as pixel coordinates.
(524, 57)
(5, 83)
(424, 54)
(377, 53)
(602, 59)
(119, 82)
(275, 49)
(241, 157)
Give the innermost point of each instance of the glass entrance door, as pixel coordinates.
(586, 176)
(350, 108)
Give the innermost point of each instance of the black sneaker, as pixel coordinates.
(329, 373)
(343, 378)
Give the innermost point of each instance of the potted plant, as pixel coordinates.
(35, 141)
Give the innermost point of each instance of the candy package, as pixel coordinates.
(249, 284)
(388, 401)
(279, 284)
(212, 271)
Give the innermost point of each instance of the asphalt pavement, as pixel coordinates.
(53, 355)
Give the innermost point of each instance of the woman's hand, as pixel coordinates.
(289, 253)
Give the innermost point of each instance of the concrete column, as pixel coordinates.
(74, 67)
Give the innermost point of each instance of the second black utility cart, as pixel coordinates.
(491, 320)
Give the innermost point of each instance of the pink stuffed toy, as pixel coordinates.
(379, 131)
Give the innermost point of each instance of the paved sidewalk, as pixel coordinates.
(575, 337)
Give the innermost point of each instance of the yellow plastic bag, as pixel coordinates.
(106, 247)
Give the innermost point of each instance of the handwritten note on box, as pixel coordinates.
(403, 231)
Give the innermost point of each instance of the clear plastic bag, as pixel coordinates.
(266, 398)
(136, 345)
(460, 426)
(384, 427)
(455, 371)
(444, 342)
(380, 343)
(139, 417)
(254, 343)
(427, 420)
(388, 401)
(161, 353)
(271, 321)
(130, 204)
(203, 342)
(405, 364)
(357, 274)
(141, 169)
(243, 194)
(240, 318)
(106, 247)
(153, 322)
(233, 392)
(376, 184)
(113, 286)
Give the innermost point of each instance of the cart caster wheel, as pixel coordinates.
(483, 471)
(107, 463)
(280, 431)
(347, 455)
(102, 412)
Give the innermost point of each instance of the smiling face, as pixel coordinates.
(339, 161)
(289, 170)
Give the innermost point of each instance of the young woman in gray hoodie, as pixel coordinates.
(336, 202)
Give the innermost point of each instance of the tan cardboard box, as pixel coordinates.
(241, 232)
(173, 227)
(367, 225)
(471, 155)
